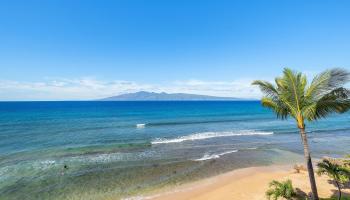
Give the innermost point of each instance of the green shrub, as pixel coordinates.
(282, 189)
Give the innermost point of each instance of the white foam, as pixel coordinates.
(44, 164)
(251, 148)
(110, 157)
(209, 157)
(3, 171)
(102, 158)
(207, 135)
(140, 125)
(48, 162)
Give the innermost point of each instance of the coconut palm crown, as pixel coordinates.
(291, 95)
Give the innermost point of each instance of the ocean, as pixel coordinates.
(111, 150)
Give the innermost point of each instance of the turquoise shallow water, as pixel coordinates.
(97, 150)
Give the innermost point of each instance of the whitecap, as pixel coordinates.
(140, 125)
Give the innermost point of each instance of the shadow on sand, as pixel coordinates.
(301, 195)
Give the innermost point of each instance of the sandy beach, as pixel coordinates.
(248, 183)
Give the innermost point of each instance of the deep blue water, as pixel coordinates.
(104, 139)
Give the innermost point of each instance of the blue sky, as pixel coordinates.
(63, 49)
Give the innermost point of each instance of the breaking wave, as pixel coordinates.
(213, 156)
(206, 135)
(140, 125)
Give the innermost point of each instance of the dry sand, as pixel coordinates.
(249, 183)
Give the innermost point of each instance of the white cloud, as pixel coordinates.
(90, 88)
(238, 88)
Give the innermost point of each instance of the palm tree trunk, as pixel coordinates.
(310, 169)
(339, 189)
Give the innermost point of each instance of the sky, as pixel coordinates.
(82, 50)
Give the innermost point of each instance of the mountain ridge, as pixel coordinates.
(163, 96)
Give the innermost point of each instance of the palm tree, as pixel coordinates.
(282, 189)
(338, 173)
(293, 96)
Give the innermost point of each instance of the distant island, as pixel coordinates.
(153, 96)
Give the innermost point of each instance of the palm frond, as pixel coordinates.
(336, 101)
(326, 82)
(267, 88)
(310, 111)
(334, 170)
(291, 90)
(277, 106)
(294, 84)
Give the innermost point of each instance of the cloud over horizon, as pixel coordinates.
(87, 88)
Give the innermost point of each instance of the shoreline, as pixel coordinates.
(245, 183)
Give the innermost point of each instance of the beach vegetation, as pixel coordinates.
(283, 189)
(339, 174)
(292, 96)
